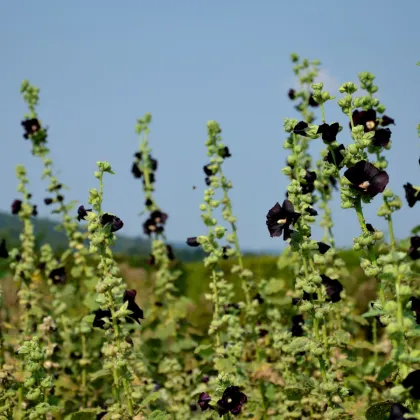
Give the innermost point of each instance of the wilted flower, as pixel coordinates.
(16, 206)
(280, 218)
(412, 381)
(412, 194)
(329, 132)
(31, 127)
(110, 220)
(82, 213)
(333, 288)
(382, 137)
(367, 178)
(58, 275)
(204, 401)
(300, 128)
(415, 306)
(323, 248)
(335, 157)
(4, 253)
(297, 322)
(232, 401)
(414, 250)
(192, 241)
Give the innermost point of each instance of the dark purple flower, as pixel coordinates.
(159, 217)
(48, 201)
(412, 381)
(415, 306)
(323, 248)
(138, 155)
(152, 178)
(34, 210)
(192, 241)
(297, 322)
(58, 275)
(370, 228)
(335, 157)
(232, 401)
(137, 313)
(113, 221)
(412, 194)
(4, 253)
(204, 401)
(150, 226)
(333, 288)
(153, 164)
(367, 178)
(279, 219)
(312, 102)
(16, 206)
(148, 202)
(135, 170)
(306, 296)
(207, 170)
(311, 211)
(387, 121)
(308, 186)
(291, 94)
(60, 198)
(300, 128)
(329, 132)
(259, 298)
(414, 250)
(382, 137)
(55, 187)
(82, 213)
(399, 412)
(31, 127)
(99, 315)
(365, 118)
(225, 153)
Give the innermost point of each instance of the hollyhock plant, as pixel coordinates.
(279, 219)
(367, 178)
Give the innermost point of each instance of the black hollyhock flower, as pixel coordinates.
(367, 178)
(365, 118)
(323, 248)
(306, 296)
(297, 322)
(99, 315)
(31, 127)
(205, 379)
(225, 256)
(150, 226)
(207, 181)
(312, 102)
(193, 407)
(413, 381)
(48, 201)
(159, 217)
(135, 170)
(138, 155)
(335, 157)
(58, 275)
(55, 187)
(329, 132)
(148, 202)
(414, 250)
(412, 194)
(225, 153)
(110, 220)
(60, 198)
(398, 412)
(382, 137)
(34, 210)
(333, 288)
(280, 218)
(309, 185)
(232, 401)
(311, 211)
(207, 170)
(300, 128)
(4, 253)
(370, 228)
(153, 164)
(170, 253)
(137, 313)
(82, 213)
(415, 306)
(291, 94)
(192, 241)
(16, 206)
(204, 401)
(387, 121)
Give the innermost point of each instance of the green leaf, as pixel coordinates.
(100, 374)
(225, 365)
(152, 397)
(159, 415)
(204, 350)
(85, 414)
(294, 393)
(386, 370)
(379, 411)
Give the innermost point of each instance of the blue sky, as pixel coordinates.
(102, 64)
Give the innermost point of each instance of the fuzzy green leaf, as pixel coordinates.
(379, 411)
(386, 370)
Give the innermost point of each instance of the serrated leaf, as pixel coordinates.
(378, 411)
(294, 393)
(386, 371)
